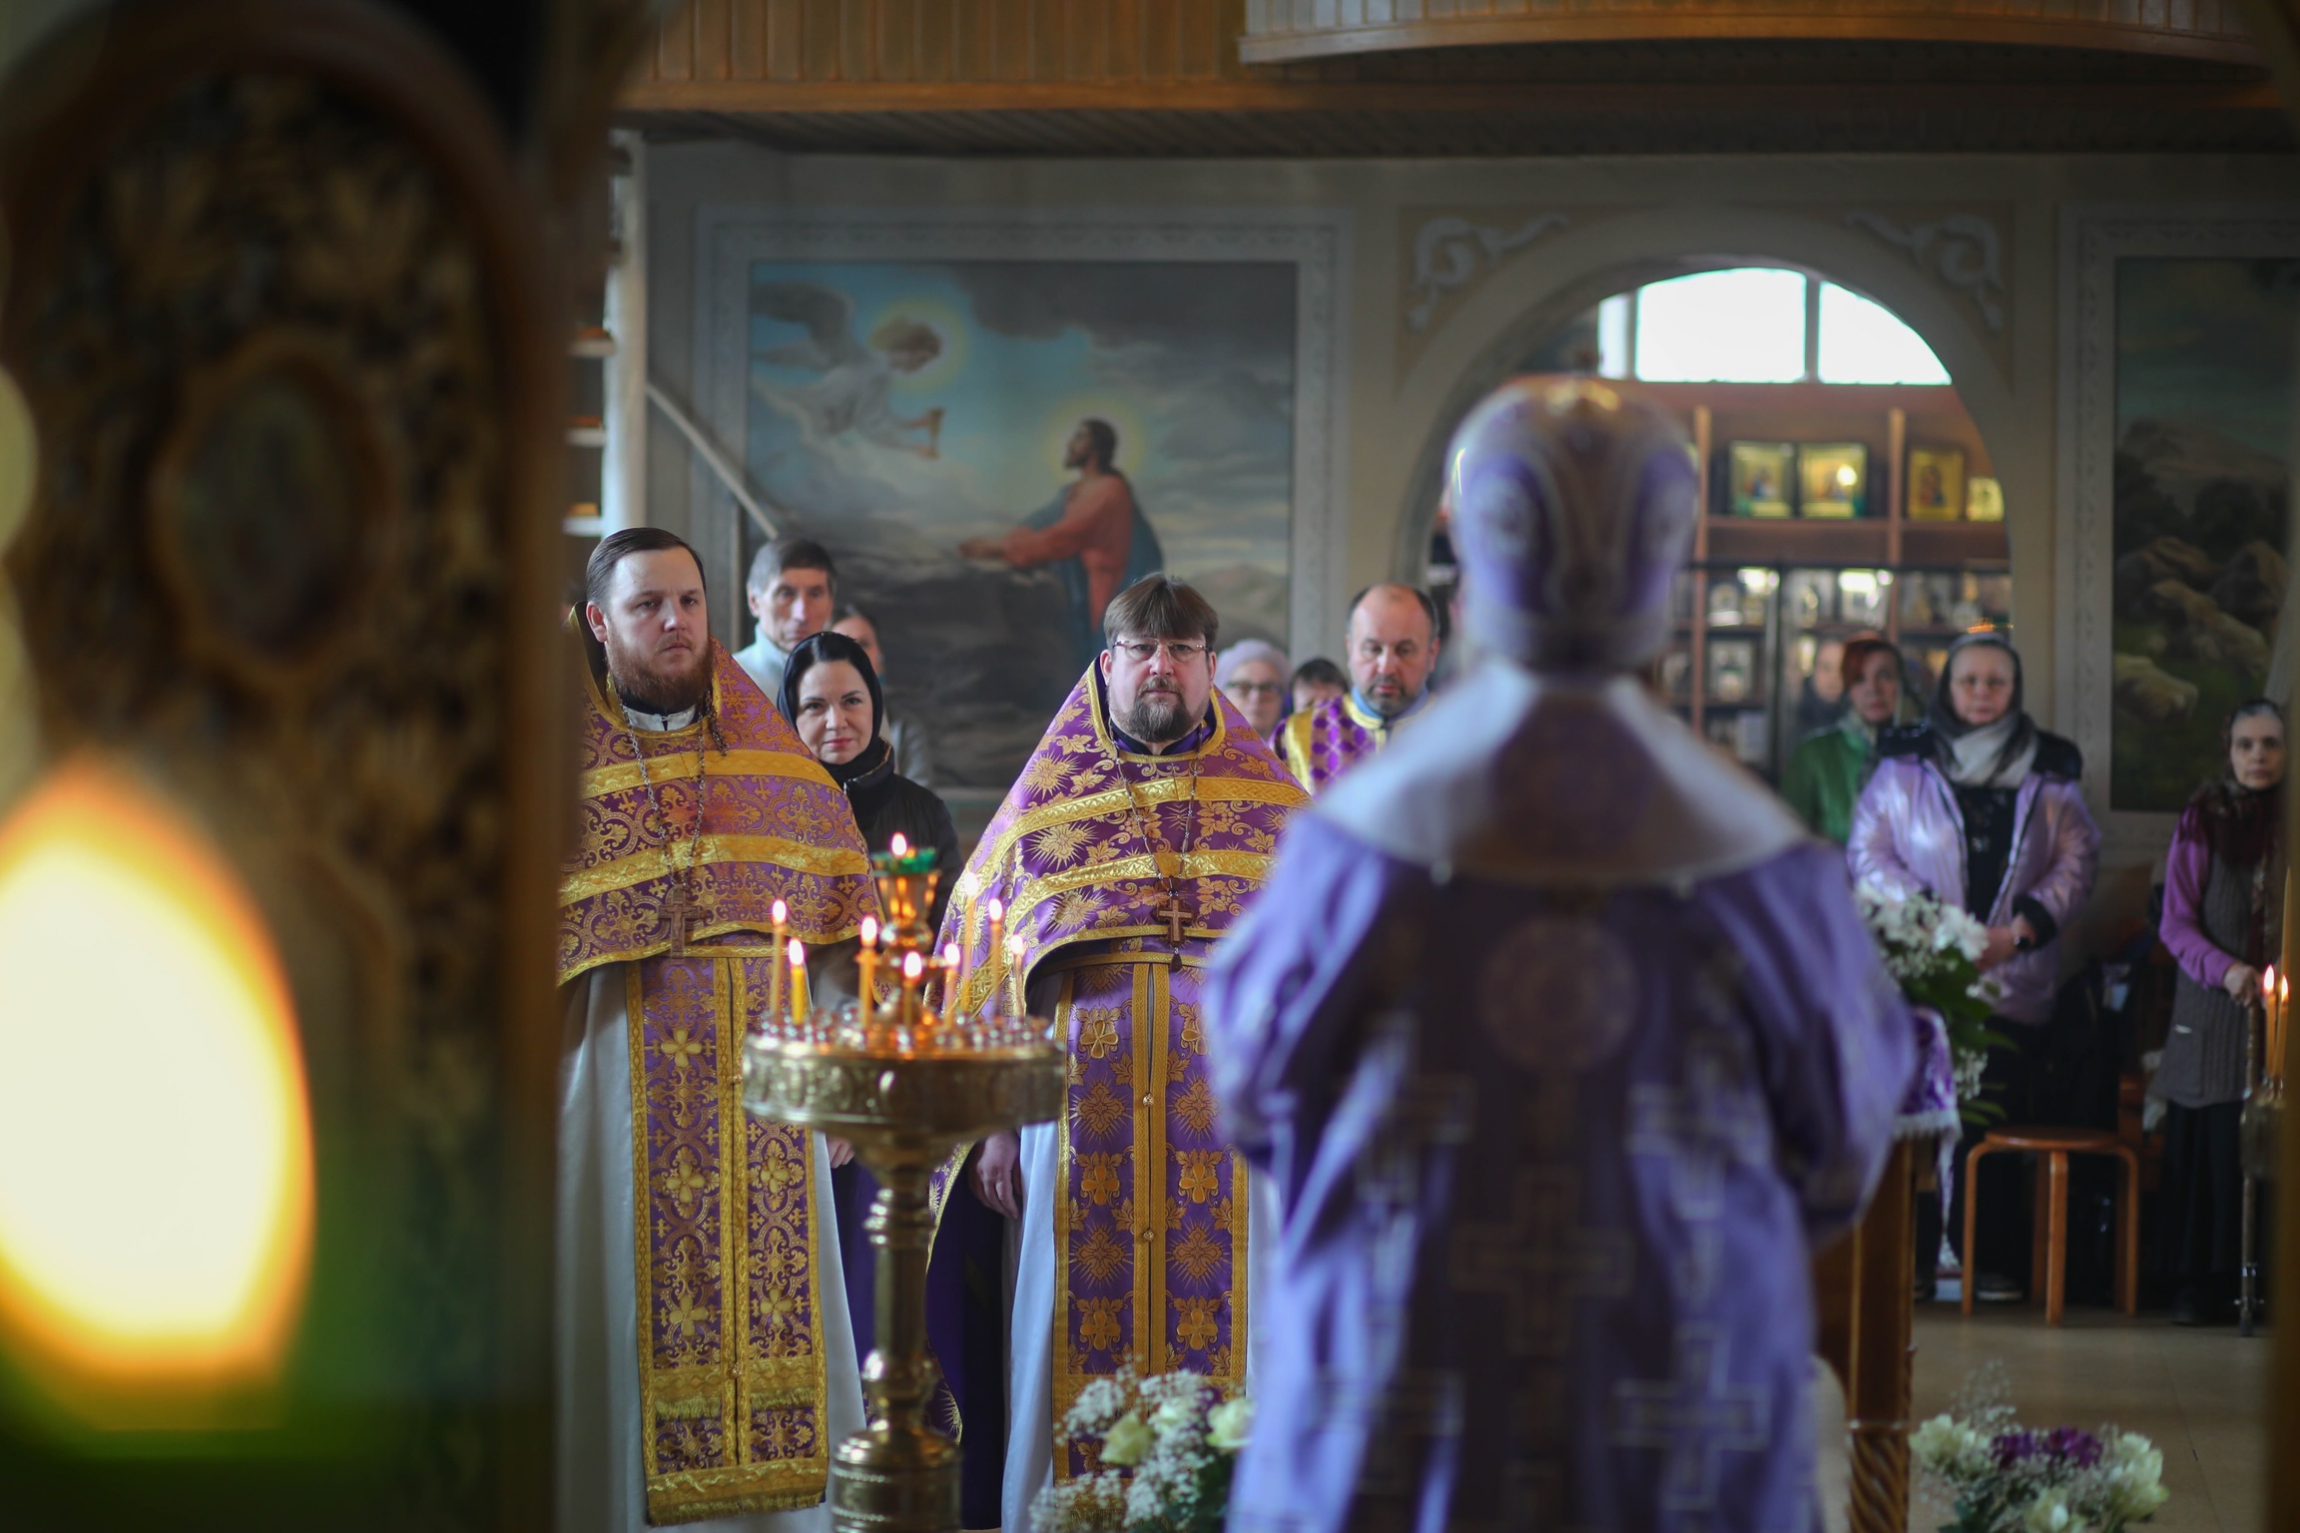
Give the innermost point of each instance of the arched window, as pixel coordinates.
(1758, 324)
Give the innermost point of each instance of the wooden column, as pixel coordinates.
(1865, 1306)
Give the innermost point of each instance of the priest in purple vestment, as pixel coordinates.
(1563, 1046)
(1136, 836)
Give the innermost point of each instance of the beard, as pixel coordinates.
(654, 683)
(1157, 718)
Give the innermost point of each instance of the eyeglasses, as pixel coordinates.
(1181, 652)
(1255, 688)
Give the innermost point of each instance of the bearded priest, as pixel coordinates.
(1138, 833)
(705, 1355)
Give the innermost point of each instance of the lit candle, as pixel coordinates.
(867, 966)
(782, 913)
(2268, 982)
(950, 969)
(799, 1007)
(2283, 1018)
(899, 846)
(997, 934)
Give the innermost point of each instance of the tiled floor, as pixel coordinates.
(2200, 1394)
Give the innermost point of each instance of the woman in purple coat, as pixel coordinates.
(2223, 885)
(1981, 809)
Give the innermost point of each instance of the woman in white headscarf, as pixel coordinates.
(1982, 810)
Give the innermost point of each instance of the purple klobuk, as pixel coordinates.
(1562, 1045)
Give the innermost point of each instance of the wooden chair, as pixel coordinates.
(2049, 1268)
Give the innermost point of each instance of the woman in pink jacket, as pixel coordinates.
(1982, 810)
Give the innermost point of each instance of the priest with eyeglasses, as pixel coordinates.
(1138, 833)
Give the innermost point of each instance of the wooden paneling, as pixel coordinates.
(1278, 31)
(1038, 42)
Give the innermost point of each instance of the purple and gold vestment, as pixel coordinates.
(729, 1324)
(1326, 741)
(1138, 1254)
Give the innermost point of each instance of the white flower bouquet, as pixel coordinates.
(1998, 1477)
(1164, 1449)
(1933, 953)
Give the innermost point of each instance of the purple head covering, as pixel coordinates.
(1574, 503)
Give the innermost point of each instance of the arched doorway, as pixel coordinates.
(1846, 487)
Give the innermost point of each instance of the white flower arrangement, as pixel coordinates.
(1164, 1449)
(1997, 1477)
(1933, 952)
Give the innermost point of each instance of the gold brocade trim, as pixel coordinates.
(742, 1382)
(1153, 1000)
(1113, 801)
(650, 863)
(1066, 1387)
(1031, 893)
(1372, 723)
(677, 766)
(599, 957)
(1297, 741)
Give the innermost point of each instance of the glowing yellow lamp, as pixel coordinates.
(156, 1179)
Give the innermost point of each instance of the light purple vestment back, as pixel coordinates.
(1562, 1046)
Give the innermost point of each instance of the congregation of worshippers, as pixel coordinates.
(1466, 1057)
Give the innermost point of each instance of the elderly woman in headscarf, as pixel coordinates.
(1562, 1047)
(2223, 922)
(1982, 810)
(1252, 674)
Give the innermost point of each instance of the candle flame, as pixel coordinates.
(780, 911)
(870, 931)
(900, 845)
(950, 953)
(913, 965)
(997, 908)
(167, 1254)
(798, 954)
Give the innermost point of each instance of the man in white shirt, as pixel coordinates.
(792, 587)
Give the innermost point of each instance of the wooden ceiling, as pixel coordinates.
(1165, 78)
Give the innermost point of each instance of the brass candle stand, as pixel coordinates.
(906, 1085)
(2259, 1131)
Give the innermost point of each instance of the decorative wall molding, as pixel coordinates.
(1451, 254)
(1964, 251)
(2093, 240)
(1316, 242)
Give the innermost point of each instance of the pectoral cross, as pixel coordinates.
(678, 911)
(1174, 914)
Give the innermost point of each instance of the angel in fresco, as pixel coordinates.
(854, 392)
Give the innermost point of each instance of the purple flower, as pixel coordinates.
(2079, 1448)
(2012, 1448)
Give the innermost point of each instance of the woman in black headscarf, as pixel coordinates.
(2223, 922)
(831, 696)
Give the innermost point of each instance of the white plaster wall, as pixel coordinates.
(1623, 220)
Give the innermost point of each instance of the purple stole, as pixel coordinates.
(731, 1363)
(1150, 1228)
(1331, 738)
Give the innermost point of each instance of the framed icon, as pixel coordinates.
(1732, 671)
(1984, 500)
(1761, 478)
(1936, 487)
(1833, 480)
